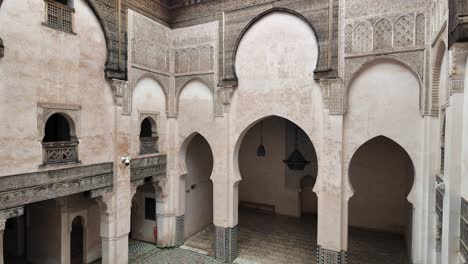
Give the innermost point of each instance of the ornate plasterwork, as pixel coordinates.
(119, 89)
(194, 59)
(71, 111)
(392, 32)
(10, 213)
(361, 8)
(106, 204)
(413, 60)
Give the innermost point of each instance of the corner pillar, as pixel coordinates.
(332, 213)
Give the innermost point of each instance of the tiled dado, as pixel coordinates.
(464, 228)
(326, 256)
(226, 244)
(180, 230)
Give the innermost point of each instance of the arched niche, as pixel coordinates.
(153, 87)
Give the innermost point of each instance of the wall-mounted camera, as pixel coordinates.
(126, 160)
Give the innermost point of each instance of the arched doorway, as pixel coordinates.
(198, 216)
(380, 216)
(77, 241)
(275, 157)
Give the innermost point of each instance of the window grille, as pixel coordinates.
(59, 16)
(60, 152)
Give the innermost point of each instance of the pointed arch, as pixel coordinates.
(154, 78)
(183, 148)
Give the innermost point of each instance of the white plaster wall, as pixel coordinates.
(382, 175)
(148, 97)
(275, 63)
(46, 65)
(195, 110)
(199, 188)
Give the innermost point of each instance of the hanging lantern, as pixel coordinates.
(296, 160)
(261, 152)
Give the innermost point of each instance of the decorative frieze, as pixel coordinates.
(385, 34)
(226, 244)
(18, 190)
(326, 256)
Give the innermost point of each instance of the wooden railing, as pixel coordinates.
(60, 152)
(148, 145)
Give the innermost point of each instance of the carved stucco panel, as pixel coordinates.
(382, 34)
(403, 32)
(363, 37)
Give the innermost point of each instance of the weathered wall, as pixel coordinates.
(64, 69)
(141, 228)
(199, 188)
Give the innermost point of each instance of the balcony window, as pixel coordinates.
(59, 15)
(148, 137)
(60, 145)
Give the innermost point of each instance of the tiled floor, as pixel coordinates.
(266, 238)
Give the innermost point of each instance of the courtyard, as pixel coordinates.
(267, 238)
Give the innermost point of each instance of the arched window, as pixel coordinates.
(148, 137)
(59, 143)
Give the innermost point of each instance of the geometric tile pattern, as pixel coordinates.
(178, 256)
(326, 256)
(179, 230)
(226, 244)
(139, 250)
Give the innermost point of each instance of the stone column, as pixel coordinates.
(225, 185)
(332, 203)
